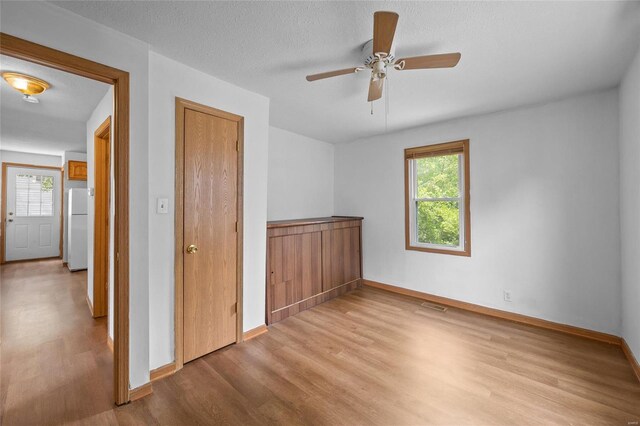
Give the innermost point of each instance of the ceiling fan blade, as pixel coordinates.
(375, 89)
(314, 77)
(384, 28)
(446, 60)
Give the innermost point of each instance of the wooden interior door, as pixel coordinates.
(102, 167)
(210, 226)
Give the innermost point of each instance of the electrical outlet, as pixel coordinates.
(507, 295)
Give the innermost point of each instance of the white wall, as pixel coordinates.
(167, 80)
(630, 204)
(300, 181)
(36, 133)
(51, 26)
(68, 184)
(103, 110)
(544, 211)
(29, 158)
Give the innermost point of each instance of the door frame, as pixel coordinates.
(181, 106)
(100, 253)
(42, 55)
(3, 208)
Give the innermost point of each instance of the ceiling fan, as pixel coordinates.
(379, 56)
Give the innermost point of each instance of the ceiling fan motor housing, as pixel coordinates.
(369, 57)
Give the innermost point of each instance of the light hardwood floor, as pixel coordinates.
(56, 366)
(368, 357)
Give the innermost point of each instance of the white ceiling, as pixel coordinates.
(513, 53)
(58, 122)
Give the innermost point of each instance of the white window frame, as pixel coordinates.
(413, 212)
(53, 198)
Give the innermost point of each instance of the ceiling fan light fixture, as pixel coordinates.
(26, 84)
(380, 69)
(379, 56)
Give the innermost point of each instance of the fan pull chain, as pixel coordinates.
(386, 106)
(371, 103)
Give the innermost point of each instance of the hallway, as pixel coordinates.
(56, 365)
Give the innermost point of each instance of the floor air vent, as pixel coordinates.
(435, 307)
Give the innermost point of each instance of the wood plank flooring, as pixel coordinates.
(368, 357)
(56, 366)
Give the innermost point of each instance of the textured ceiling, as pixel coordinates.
(513, 53)
(57, 123)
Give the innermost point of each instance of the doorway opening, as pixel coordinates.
(118, 80)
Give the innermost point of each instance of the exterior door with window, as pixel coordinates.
(32, 224)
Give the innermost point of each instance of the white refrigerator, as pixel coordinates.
(77, 229)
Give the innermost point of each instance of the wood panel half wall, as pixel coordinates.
(310, 261)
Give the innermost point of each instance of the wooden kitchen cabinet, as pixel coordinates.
(310, 261)
(77, 170)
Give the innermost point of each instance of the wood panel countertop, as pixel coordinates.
(310, 221)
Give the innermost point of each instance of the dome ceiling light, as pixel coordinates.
(27, 85)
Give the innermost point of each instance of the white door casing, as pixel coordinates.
(32, 222)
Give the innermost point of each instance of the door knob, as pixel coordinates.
(192, 249)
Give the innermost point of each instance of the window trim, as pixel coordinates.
(454, 147)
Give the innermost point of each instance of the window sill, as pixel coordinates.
(465, 253)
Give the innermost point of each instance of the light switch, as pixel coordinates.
(163, 206)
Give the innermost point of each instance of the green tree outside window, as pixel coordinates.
(438, 220)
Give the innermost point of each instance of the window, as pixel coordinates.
(34, 195)
(437, 212)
